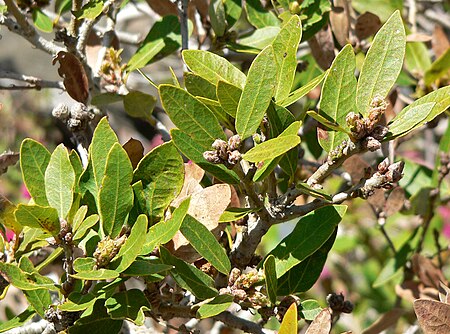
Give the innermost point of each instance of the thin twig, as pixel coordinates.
(182, 6)
(35, 83)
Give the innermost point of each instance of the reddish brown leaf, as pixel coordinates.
(321, 323)
(322, 47)
(386, 320)
(439, 41)
(418, 38)
(355, 166)
(340, 21)
(433, 316)
(135, 151)
(367, 25)
(75, 78)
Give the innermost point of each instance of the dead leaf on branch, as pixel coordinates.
(439, 41)
(340, 21)
(207, 205)
(385, 321)
(367, 25)
(322, 47)
(7, 159)
(135, 151)
(433, 316)
(429, 274)
(75, 78)
(321, 323)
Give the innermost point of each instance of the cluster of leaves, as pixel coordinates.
(138, 216)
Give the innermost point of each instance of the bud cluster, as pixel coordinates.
(107, 249)
(367, 129)
(241, 286)
(76, 118)
(338, 304)
(226, 153)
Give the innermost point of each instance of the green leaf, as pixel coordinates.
(213, 67)
(106, 98)
(25, 281)
(18, 321)
(256, 40)
(60, 181)
(310, 308)
(162, 232)
(408, 121)
(145, 268)
(35, 216)
(395, 265)
(194, 151)
(289, 325)
(302, 277)
(279, 119)
(79, 217)
(139, 105)
(102, 141)
(233, 214)
(189, 277)
(382, 8)
(163, 38)
(205, 243)
(96, 275)
(304, 188)
(417, 58)
(285, 48)
(85, 226)
(229, 96)
(132, 246)
(84, 264)
(233, 10)
(162, 173)
(40, 299)
(128, 305)
(215, 306)
(34, 159)
(77, 301)
(302, 91)
(338, 95)
(90, 10)
(383, 63)
(275, 147)
(96, 320)
(77, 168)
(217, 17)
(271, 278)
(258, 16)
(42, 21)
(257, 93)
(309, 234)
(325, 121)
(198, 86)
(439, 69)
(190, 115)
(218, 111)
(115, 198)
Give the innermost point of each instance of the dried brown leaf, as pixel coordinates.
(206, 206)
(321, 323)
(7, 159)
(408, 290)
(417, 37)
(355, 166)
(75, 78)
(386, 320)
(439, 41)
(367, 25)
(429, 274)
(135, 151)
(193, 174)
(444, 293)
(340, 21)
(322, 47)
(433, 316)
(395, 201)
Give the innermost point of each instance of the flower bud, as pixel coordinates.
(372, 144)
(61, 111)
(383, 166)
(212, 157)
(234, 142)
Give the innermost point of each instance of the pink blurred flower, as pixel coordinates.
(25, 192)
(444, 212)
(156, 141)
